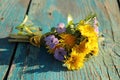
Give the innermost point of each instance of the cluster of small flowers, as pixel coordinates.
(73, 43)
(52, 41)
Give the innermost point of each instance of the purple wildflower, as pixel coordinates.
(61, 28)
(60, 53)
(51, 41)
(95, 24)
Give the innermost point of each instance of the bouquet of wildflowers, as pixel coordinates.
(73, 43)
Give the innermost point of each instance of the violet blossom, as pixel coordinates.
(61, 28)
(51, 41)
(95, 25)
(60, 53)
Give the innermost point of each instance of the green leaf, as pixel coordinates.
(70, 29)
(90, 16)
(53, 29)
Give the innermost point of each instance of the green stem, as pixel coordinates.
(17, 40)
(16, 36)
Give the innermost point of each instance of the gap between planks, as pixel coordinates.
(118, 1)
(13, 55)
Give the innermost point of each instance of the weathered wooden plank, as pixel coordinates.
(11, 14)
(36, 64)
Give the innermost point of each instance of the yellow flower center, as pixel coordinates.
(68, 40)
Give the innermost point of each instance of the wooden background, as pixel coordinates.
(22, 61)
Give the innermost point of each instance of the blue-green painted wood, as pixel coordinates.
(31, 63)
(11, 14)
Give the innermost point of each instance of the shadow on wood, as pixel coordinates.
(6, 51)
(29, 56)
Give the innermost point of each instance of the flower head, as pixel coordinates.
(95, 25)
(75, 61)
(61, 28)
(86, 30)
(49, 38)
(68, 40)
(60, 53)
(92, 45)
(51, 41)
(81, 48)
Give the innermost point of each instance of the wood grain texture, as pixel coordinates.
(33, 63)
(11, 14)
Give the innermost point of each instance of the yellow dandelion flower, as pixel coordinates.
(92, 44)
(95, 50)
(81, 48)
(87, 30)
(75, 61)
(67, 40)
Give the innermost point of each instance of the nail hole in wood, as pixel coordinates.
(50, 14)
(1, 18)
